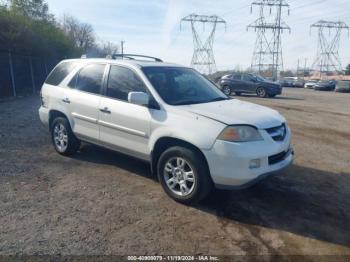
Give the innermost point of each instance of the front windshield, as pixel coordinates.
(260, 78)
(182, 86)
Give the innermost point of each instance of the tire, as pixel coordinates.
(238, 93)
(226, 90)
(63, 139)
(172, 165)
(261, 92)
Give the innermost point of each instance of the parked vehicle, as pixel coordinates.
(249, 83)
(343, 86)
(311, 84)
(292, 82)
(194, 136)
(325, 85)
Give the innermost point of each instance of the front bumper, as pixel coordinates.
(275, 91)
(229, 163)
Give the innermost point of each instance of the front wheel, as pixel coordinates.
(184, 175)
(261, 92)
(226, 90)
(63, 138)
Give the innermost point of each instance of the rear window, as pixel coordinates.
(60, 73)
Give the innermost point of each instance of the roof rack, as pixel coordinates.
(133, 56)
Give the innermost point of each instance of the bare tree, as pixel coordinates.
(109, 48)
(81, 33)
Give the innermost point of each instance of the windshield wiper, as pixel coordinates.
(192, 102)
(218, 99)
(187, 102)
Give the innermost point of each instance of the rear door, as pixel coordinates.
(83, 97)
(248, 83)
(236, 82)
(124, 126)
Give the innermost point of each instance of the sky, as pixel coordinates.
(152, 27)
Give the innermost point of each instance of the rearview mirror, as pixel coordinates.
(138, 98)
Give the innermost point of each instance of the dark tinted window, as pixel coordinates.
(60, 73)
(89, 79)
(121, 81)
(247, 77)
(237, 77)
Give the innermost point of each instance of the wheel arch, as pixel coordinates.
(53, 114)
(164, 143)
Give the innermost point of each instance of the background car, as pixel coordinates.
(310, 84)
(325, 85)
(343, 86)
(249, 83)
(292, 82)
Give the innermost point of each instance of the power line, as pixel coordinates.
(267, 55)
(328, 58)
(203, 56)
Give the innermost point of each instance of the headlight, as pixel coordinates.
(240, 134)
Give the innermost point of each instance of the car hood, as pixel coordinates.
(269, 82)
(236, 112)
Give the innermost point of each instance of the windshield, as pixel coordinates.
(182, 86)
(260, 78)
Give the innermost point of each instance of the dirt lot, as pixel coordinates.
(101, 202)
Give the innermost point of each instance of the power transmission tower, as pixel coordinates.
(203, 56)
(328, 59)
(267, 55)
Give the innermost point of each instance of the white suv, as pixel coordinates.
(193, 136)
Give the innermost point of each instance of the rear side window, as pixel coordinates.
(237, 77)
(121, 81)
(89, 79)
(60, 73)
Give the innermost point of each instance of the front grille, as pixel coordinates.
(278, 157)
(277, 133)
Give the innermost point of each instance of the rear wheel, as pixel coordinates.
(261, 92)
(226, 90)
(63, 138)
(184, 175)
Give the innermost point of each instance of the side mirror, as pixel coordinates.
(138, 98)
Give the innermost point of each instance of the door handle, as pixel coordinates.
(105, 110)
(66, 100)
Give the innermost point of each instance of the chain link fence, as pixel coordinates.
(22, 75)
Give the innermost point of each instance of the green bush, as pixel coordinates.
(33, 33)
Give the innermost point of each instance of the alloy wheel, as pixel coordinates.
(60, 136)
(179, 176)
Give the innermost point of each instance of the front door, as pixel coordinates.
(123, 126)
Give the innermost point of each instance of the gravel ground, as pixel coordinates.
(101, 202)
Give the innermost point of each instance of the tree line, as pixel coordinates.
(27, 27)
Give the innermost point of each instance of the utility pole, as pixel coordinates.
(298, 66)
(305, 63)
(122, 47)
(203, 56)
(267, 55)
(328, 59)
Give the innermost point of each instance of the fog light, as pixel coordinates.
(255, 163)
